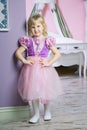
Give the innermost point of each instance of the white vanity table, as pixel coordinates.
(72, 54)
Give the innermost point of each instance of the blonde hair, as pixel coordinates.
(33, 19)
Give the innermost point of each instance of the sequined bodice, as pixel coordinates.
(39, 49)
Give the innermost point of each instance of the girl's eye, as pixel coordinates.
(32, 27)
(38, 26)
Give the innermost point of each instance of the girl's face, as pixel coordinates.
(37, 29)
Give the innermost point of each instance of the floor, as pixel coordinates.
(69, 112)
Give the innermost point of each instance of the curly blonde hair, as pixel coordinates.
(33, 19)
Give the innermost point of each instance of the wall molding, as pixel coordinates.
(14, 113)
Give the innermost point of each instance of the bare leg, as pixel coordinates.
(47, 114)
(36, 116)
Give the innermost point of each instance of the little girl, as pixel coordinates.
(38, 81)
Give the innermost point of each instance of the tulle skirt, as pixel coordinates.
(37, 82)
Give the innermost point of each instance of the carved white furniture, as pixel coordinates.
(72, 54)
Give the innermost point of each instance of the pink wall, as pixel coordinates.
(73, 12)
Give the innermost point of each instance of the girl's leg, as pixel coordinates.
(47, 113)
(36, 116)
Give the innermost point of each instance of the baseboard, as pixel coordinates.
(14, 113)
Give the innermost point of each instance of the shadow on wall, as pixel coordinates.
(18, 64)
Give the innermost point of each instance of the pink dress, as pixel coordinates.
(35, 81)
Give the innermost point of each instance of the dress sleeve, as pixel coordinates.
(24, 41)
(50, 41)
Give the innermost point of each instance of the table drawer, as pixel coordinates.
(75, 47)
(60, 47)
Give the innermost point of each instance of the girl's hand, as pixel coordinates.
(29, 62)
(44, 62)
(19, 55)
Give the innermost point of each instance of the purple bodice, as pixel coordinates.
(39, 47)
(43, 51)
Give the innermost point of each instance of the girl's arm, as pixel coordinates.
(56, 55)
(18, 54)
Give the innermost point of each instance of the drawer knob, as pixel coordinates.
(58, 48)
(76, 47)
